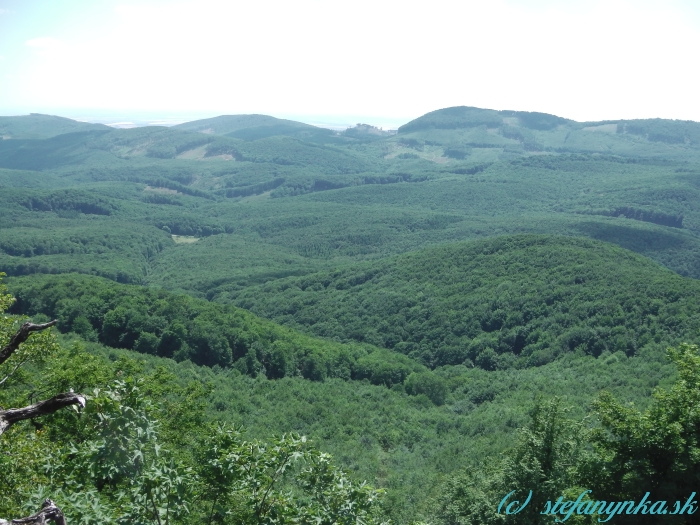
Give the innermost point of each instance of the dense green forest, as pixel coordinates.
(38, 126)
(305, 206)
(508, 302)
(160, 323)
(480, 302)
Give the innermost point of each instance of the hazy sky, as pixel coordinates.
(384, 61)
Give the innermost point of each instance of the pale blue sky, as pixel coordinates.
(336, 61)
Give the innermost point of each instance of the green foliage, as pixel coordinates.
(656, 449)
(38, 126)
(402, 443)
(540, 467)
(151, 141)
(251, 482)
(366, 132)
(542, 132)
(37, 349)
(310, 206)
(659, 130)
(506, 302)
(113, 465)
(364, 426)
(254, 127)
(457, 151)
(633, 452)
(118, 254)
(118, 472)
(287, 151)
(455, 117)
(70, 200)
(56, 152)
(312, 229)
(178, 326)
(20, 461)
(425, 383)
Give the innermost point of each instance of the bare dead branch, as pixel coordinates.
(42, 408)
(21, 336)
(49, 512)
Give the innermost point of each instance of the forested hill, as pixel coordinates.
(38, 126)
(499, 303)
(158, 322)
(252, 127)
(225, 124)
(462, 128)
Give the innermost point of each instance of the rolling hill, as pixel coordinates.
(253, 127)
(483, 134)
(225, 124)
(38, 126)
(497, 303)
(279, 206)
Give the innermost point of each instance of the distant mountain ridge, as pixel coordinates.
(225, 124)
(308, 197)
(469, 117)
(461, 129)
(253, 127)
(39, 126)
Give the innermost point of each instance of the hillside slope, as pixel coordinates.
(396, 438)
(108, 202)
(157, 322)
(253, 127)
(38, 126)
(224, 124)
(505, 302)
(468, 132)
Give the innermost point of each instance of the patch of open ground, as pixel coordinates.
(161, 190)
(194, 154)
(184, 239)
(200, 153)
